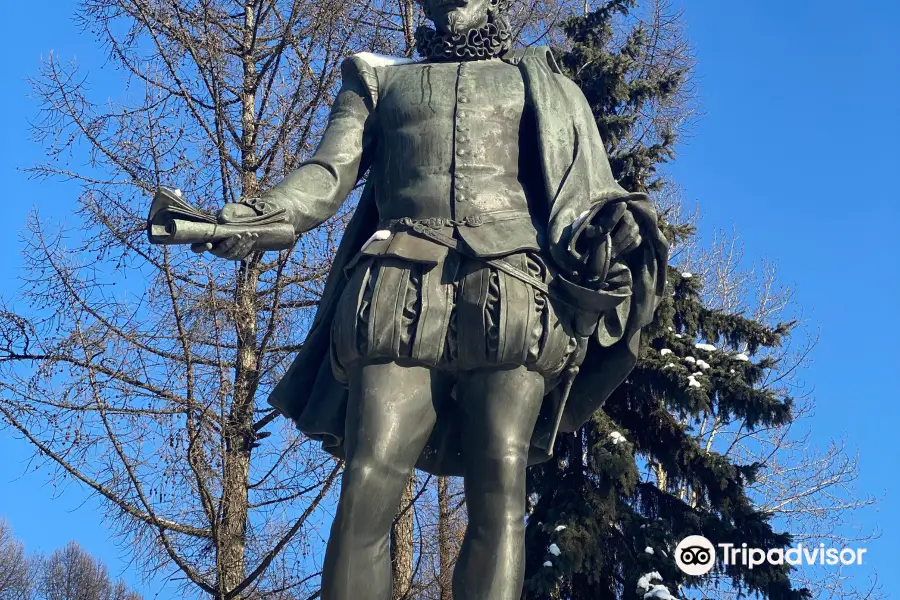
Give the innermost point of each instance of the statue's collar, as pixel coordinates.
(492, 40)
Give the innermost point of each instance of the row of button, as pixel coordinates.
(461, 138)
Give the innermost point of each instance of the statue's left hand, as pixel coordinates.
(610, 235)
(617, 220)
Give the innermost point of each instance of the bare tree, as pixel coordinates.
(403, 543)
(437, 513)
(448, 543)
(142, 372)
(15, 566)
(70, 573)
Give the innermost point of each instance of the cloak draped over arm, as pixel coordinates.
(578, 179)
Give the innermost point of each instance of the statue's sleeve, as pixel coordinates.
(590, 169)
(642, 272)
(316, 189)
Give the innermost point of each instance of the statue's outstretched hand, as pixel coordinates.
(237, 246)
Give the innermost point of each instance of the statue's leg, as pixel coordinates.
(501, 409)
(390, 415)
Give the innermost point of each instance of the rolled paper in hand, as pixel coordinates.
(173, 221)
(272, 236)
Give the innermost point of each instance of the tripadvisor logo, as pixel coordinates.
(696, 555)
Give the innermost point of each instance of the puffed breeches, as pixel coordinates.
(456, 315)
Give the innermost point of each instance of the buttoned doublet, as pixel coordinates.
(453, 136)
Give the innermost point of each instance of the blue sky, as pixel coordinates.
(795, 149)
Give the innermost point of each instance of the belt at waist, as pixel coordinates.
(592, 300)
(469, 221)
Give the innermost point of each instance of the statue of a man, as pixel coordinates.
(492, 253)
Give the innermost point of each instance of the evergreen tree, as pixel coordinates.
(596, 528)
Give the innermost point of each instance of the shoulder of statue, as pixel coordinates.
(362, 65)
(517, 55)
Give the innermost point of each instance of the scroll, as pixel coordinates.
(174, 221)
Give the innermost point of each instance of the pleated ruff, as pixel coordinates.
(459, 314)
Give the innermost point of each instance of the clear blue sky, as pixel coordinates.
(796, 148)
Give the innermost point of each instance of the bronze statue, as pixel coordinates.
(488, 292)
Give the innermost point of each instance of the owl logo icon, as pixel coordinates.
(695, 555)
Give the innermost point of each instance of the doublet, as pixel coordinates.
(450, 135)
(444, 141)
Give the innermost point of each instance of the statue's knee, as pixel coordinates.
(368, 489)
(502, 471)
(506, 449)
(369, 473)
(357, 474)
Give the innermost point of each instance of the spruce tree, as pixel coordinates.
(597, 529)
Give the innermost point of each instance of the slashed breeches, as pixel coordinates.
(456, 314)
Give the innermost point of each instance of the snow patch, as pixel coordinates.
(690, 359)
(653, 590)
(559, 528)
(665, 351)
(741, 357)
(707, 347)
(660, 592)
(678, 335)
(693, 382)
(648, 550)
(687, 275)
(381, 234)
(643, 584)
(547, 563)
(669, 366)
(554, 550)
(703, 364)
(382, 60)
(617, 437)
